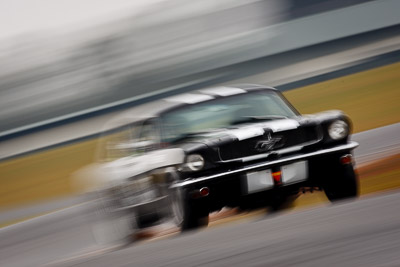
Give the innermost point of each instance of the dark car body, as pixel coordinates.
(244, 146)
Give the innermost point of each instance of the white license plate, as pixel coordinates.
(262, 180)
(258, 181)
(295, 172)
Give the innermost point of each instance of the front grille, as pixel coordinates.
(254, 146)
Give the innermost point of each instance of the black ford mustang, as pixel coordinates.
(240, 146)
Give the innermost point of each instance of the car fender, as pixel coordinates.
(98, 176)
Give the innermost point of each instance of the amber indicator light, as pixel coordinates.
(277, 177)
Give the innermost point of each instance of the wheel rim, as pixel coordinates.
(177, 206)
(109, 228)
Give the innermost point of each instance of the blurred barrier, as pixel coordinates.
(290, 70)
(168, 48)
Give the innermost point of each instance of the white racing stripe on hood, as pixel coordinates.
(246, 132)
(281, 125)
(258, 130)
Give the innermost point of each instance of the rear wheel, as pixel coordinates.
(342, 184)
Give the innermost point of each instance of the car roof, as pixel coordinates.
(155, 108)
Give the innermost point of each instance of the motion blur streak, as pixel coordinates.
(165, 44)
(51, 78)
(67, 66)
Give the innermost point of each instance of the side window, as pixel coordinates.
(148, 136)
(131, 140)
(149, 132)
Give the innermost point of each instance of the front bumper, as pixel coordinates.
(264, 165)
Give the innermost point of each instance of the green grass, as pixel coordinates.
(44, 175)
(371, 98)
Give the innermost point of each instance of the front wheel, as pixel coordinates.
(342, 185)
(111, 228)
(188, 214)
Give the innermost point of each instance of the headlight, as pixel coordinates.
(194, 162)
(338, 130)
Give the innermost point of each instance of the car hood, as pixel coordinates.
(242, 132)
(250, 141)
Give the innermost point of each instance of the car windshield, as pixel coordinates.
(225, 112)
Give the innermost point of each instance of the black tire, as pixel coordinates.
(147, 220)
(195, 217)
(343, 184)
(188, 214)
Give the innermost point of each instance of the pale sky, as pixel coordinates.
(26, 16)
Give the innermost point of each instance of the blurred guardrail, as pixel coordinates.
(116, 79)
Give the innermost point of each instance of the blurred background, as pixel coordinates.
(67, 67)
(59, 59)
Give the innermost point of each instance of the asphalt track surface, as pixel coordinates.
(361, 233)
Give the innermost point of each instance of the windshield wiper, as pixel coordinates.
(246, 119)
